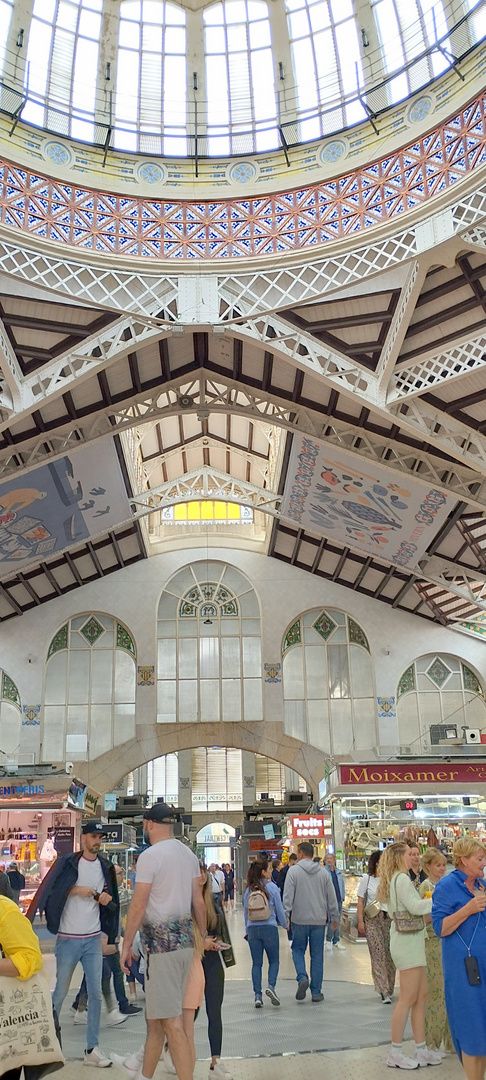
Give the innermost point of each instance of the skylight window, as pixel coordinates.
(240, 79)
(207, 510)
(406, 29)
(151, 94)
(6, 8)
(62, 65)
(326, 59)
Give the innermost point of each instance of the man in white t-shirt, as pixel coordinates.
(167, 887)
(217, 884)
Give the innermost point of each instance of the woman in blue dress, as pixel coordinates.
(459, 919)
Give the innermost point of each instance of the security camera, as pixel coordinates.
(69, 767)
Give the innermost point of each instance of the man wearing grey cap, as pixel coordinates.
(167, 890)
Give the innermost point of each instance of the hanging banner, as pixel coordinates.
(370, 508)
(62, 503)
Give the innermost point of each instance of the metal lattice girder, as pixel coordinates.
(206, 483)
(205, 442)
(470, 585)
(95, 353)
(217, 394)
(422, 376)
(458, 440)
(416, 274)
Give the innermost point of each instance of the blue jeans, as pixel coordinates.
(262, 939)
(86, 951)
(314, 937)
(333, 935)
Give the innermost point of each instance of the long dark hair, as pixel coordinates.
(254, 875)
(373, 863)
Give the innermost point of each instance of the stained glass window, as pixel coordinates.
(437, 690)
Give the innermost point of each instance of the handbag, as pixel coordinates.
(227, 955)
(406, 923)
(372, 909)
(27, 1030)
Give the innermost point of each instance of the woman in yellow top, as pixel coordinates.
(20, 945)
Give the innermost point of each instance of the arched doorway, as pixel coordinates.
(214, 842)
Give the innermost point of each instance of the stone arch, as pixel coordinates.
(266, 738)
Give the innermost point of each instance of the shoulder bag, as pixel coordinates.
(27, 1031)
(406, 923)
(372, 909)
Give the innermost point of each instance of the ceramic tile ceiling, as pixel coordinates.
(245, 390)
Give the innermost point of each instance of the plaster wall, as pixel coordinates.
(132, 595)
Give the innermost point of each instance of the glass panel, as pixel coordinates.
(167, 606)
(78, 686)
(293, 674)
(361, 672)
(10, 721)
(341, 726)
(102, 677)
(100, 737)
(123, 723)
(53, 733)
(318, 725)
(77, 720)
(188, 659)
(166, 702)
(364, 723)
(252, 699)
(209, 658)
(230, 658)
(252, 660)
(56, 672)
(407, 717)
(124, 677)
(209, 697)
(294, 719)
(337, 658)
(231, 694)
(166, 666)
(316, 671)
(187, 701)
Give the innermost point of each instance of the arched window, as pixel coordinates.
(163, 779)
(406, 28)
(209, 651)
(10, 719)
(240, 79)
(89, 699)
(328, 682)
(150, 94)
(327, 64)
(435, 695)
(62, 65)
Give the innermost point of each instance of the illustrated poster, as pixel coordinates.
(62, 503)
(370, 508)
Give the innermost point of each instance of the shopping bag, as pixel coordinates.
(27, 1031)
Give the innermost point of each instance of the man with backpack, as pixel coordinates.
(309, 894)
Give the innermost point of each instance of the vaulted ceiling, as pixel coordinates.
(212, 411)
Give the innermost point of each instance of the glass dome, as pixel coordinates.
(232, 77)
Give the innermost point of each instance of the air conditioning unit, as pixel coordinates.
(300, 797)
(131, 802)
(472, 735)
(405, 751)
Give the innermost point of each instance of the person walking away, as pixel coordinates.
(407, 947)
(17, 881)
(437, 1031)
(80, 898)
(5, 886)
(459, 919)
(229, 885)
(166, 890)
(284, 871)
(264, 913)
(276, 866)
(374, 924)
(310, 896)
(337, 877)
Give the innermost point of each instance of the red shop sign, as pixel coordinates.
(464, 772)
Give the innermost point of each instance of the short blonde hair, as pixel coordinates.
(432, 855)
(464, 848)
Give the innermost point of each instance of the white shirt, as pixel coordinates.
(81, 916)
(170, 868)
(217, 881)
(369, 885)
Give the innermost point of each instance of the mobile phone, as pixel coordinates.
(472, 969)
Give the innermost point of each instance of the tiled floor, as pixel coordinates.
(346, 1035)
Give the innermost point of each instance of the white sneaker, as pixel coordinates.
(386, 1000)
(80, 1017)
(329, 946)
(429, 1057)
(97, 1059)
(121, 1061)
(167, 1062)
(342, 948)
(219, 1072)
(397, 1060)
(116, 1017)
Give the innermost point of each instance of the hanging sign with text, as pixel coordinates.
(460, 772)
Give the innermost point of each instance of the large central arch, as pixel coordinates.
(265, 737)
